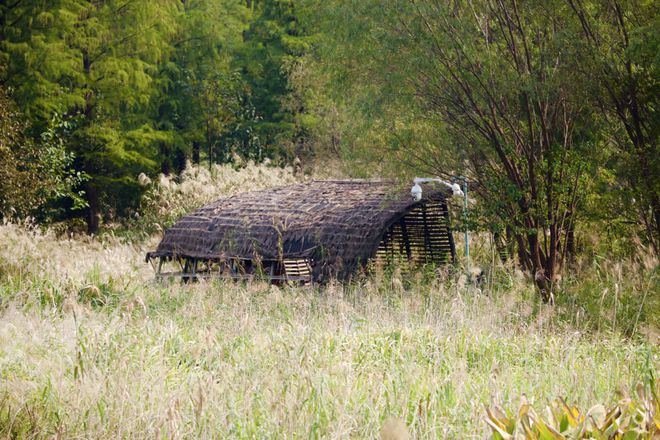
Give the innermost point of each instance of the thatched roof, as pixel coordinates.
(337, 224)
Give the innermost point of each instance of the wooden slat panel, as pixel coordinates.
(299, 268)
(422, 235)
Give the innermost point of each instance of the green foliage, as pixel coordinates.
(198, 84)
(619, 60)
(19, 177)
(506, 116)
(274, 41)
(34, 173)
(63, 179)
(618, 295)
(142, 86)
(469, 89)
(631, 418)
(95, 64)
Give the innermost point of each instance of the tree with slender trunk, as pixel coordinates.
(497, 78)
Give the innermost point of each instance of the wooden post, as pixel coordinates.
(404, 234)
(427, 240)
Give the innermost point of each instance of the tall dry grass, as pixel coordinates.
(110, 353)
(170, 197)
(92, 347)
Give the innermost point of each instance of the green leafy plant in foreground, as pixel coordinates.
(631, 418)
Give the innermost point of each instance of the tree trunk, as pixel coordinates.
(654, 201)
(510, 243)
(196, 147)
(501, 246)
(538, 268)
(91, 191)
(209, 144)
(523, 257)
(570, 241)
(94, 209)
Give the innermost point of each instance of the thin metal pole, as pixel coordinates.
(465, 219)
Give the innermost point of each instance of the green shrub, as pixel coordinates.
(631, 418)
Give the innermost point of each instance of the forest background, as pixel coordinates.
(548, 108)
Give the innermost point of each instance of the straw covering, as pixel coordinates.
(336, 225)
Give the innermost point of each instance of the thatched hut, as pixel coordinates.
(308, 232)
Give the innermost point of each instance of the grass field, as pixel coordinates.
(91, 346)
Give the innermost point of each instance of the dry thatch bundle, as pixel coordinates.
(309, 230)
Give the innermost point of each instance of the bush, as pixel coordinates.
(631, 418)
(619, 295)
